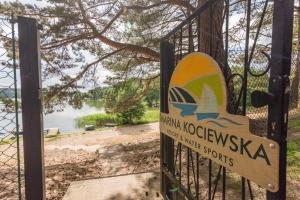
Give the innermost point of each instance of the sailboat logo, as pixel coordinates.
(197, 88)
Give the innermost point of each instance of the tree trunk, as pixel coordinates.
(294, 98)
(212, 43)
(211, 37)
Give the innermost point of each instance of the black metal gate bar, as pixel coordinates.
(245, 79)
(29, 50)
(166, 143)
(187, 173)
(279, 85)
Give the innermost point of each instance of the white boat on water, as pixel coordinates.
(208, 106)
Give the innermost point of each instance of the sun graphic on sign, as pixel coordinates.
(198, 88)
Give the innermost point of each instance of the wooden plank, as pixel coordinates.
(30, 70)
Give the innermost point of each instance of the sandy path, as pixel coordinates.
(92, 154)
(99, 153)
(90, 138)
(108, 152)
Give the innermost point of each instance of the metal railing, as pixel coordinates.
(239, 36)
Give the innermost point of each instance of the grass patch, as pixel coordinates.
(99, 120)
(149, 117)
(8, 141)
(293, 159)
(294, 124)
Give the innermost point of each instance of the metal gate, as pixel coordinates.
(21, 166)
(10, 168)
(251, 41)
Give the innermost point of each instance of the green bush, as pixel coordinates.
(100, 119)
(133, 114)
(152, 97)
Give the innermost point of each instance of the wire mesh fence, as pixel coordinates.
(10, 169)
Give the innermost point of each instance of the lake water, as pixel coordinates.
(65, 120)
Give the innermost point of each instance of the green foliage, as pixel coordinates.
(128, 45)
(8, 141)
(97, 93)
(123, 96)
(100, 119)
(66, 45)
(152, 97)
(97, 120)
(98, 103)
(8, 105)
(253, 83)
(294, 124)
(149, 117)
(134, 113)
(293, 147)
(293, 158)
(7, 98)
(74, 98)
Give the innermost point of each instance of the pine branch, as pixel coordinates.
(88, 67)
(118, 45)
(58, 90)
(179, 3)
(112, 21)
(68, 41)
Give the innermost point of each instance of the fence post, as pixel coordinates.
(30, 70)
(279, 85)
(167, 62)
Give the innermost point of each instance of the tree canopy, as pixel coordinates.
(120, 35)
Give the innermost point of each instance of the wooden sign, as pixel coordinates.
(198, 119)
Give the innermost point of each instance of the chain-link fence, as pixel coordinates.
(10, 170)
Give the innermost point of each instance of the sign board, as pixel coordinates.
(197, 118)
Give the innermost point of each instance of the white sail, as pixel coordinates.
(208, 101)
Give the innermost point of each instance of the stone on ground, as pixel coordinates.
(143, 186)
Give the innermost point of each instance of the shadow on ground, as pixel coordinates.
(107, 161)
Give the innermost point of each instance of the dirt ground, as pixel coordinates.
(85, 155)
(108, 152)
(98, 154)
